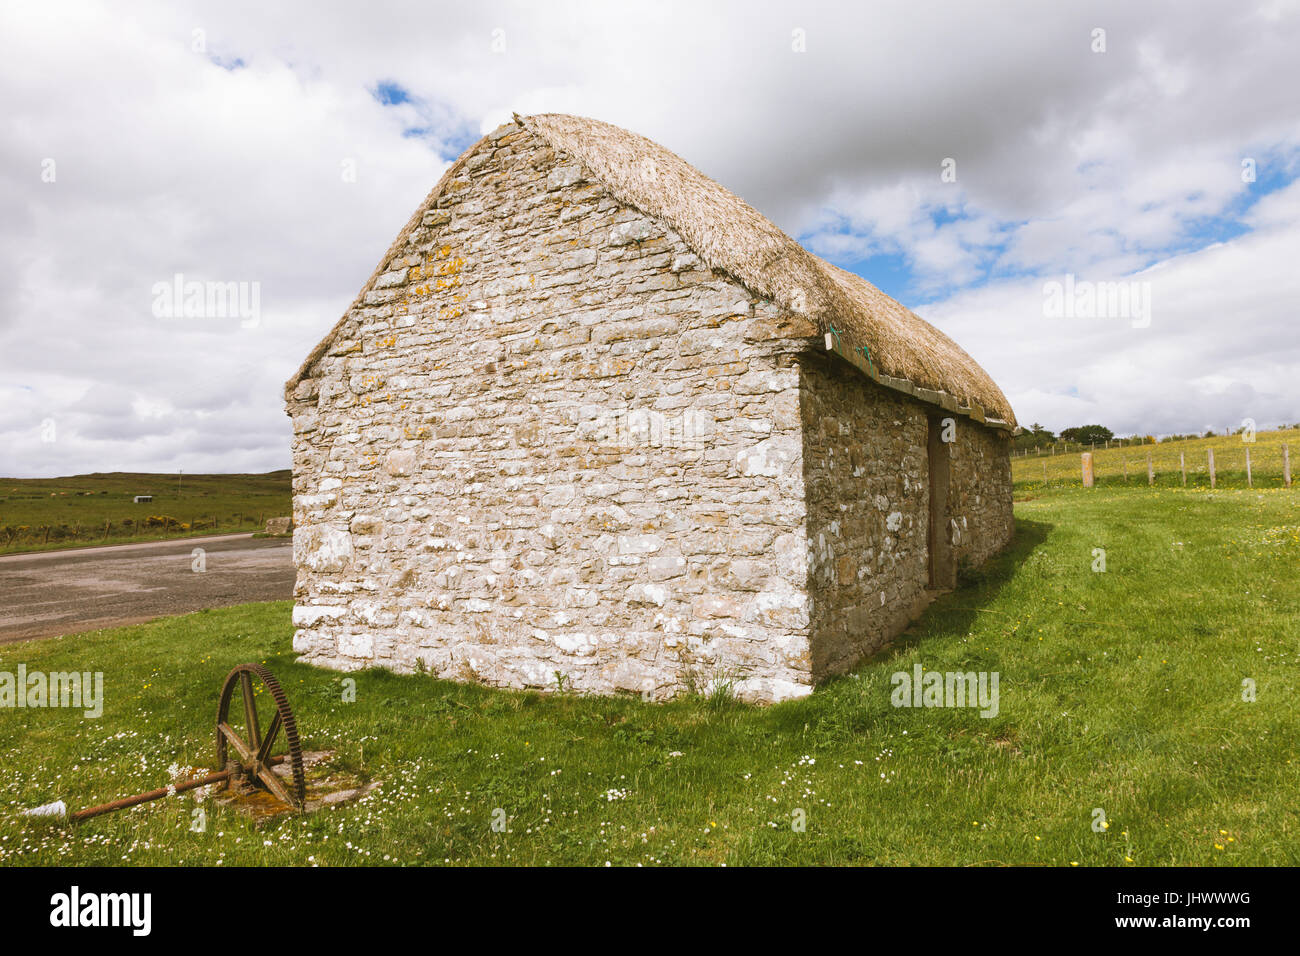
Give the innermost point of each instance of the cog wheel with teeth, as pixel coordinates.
(245, 749)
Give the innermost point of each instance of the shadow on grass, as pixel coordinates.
(855, 702)
(956, 611)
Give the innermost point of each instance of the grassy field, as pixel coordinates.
(43, 513)
(1065, 469)
(1120, 691)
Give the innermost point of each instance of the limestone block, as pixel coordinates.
(322, 548)
(309, 615)
(400, 461)
(279, 526)
(770, 457)
(357, 645)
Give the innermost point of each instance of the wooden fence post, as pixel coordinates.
(1182, 466)
(1286, 465)
(1249, 483)
(1126, 470)
(1087, 469)
(1044, 474)
(1210, 453)
(1151, 475)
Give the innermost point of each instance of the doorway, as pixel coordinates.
(943, 573)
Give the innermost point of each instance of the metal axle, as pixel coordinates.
(161, 792)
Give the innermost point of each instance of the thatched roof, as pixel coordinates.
(885, 339)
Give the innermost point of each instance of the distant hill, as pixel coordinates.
(79, 510)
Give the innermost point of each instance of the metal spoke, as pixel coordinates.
(268, 777)
(245, 752)
(264, 751)
(250, 710)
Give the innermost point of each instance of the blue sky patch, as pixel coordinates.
(390, 93)
(231, 63)
(445, 131)
(888, 272)
(894, 273)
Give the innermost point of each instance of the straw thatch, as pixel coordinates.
(888, 341)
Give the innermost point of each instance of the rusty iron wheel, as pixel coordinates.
(253, 748)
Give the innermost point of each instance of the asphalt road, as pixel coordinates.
(49, 593)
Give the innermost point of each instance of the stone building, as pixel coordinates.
(595, 423)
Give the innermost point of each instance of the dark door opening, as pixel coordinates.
(942, 568)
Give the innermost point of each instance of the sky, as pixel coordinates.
(1100, 202)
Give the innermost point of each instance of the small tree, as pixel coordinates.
(1034, 436)
(1087, 434)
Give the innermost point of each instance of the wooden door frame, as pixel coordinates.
(939, 551)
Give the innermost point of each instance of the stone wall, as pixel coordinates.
(552, 449)
(979, 498)
(867, 480)
(866, 475)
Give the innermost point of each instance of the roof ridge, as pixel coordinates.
(902, 350)
(917, 357)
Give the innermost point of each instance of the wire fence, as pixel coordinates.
(1226, 462)
(1074, 447)
(35, 536)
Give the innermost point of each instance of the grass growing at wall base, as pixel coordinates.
(1119, 691)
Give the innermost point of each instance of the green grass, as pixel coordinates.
(45, 513)
(1119, 690)
(1066, 468)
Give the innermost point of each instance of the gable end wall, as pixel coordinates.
(551, 448)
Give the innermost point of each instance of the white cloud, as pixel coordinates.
(1067, 161)
(1221, 345)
